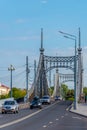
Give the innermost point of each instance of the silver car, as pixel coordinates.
(10, 106)
(45, 99)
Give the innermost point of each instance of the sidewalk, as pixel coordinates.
(81, 109)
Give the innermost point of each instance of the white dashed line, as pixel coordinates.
(75, 117)
(62, 116)
(50, 122)
(57, 119)
(44, 126)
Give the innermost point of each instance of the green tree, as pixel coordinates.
(51, 89)
(64, 90)
(70, 94)
(85, 91)
(18, 93)
(4, 96)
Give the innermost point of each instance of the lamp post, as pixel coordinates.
(27, 76)
(73, 37)
(11, 68)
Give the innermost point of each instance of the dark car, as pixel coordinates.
(35, 103)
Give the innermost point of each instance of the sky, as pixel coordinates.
(20, 27)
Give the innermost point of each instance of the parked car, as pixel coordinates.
(45, 99)
(10, 106)
(35, 103)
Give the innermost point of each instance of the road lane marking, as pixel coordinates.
(44, 126)
(16, 121)
(26, 117)
(50, 122)
(57, 119)
(75, 117)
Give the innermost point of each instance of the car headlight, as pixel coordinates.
(39, 103)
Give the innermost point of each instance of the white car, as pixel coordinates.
(10, 106)
(58, 98)
(45, 99)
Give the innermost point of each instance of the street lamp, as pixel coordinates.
(11, 68)
(73, 37)
(67, 34)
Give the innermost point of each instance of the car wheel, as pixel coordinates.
(17, 111)
(40, 107)
(2, 112)
(14, 112)
(31, 107)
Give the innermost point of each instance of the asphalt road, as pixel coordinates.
(55, 117)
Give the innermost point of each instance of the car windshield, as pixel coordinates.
(45, 97)
(9, 103)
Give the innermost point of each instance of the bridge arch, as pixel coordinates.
(47, 63)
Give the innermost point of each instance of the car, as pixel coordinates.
(45, 99)
(58, 98)
(35, 103)
(10, 106)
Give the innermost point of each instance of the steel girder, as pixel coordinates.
(51, 62)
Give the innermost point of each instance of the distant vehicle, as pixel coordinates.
(45, 99)
(10, 106)
(35, 103)
(58, 98)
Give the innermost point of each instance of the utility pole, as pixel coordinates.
(27, 75)
(11, 68)
(35, 92)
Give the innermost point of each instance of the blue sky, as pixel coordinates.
(20, 25)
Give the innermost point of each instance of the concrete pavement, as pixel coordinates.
(81, 109)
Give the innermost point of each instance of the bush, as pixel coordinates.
(70, 99)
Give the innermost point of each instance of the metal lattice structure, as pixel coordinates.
(47, 63)
(66, 77)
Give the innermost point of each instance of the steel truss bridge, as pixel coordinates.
(66, 77)
(47, 63)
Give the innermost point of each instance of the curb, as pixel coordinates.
(77, 113)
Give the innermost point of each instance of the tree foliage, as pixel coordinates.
(67, 93)
(4, 96)
(64, 90)
(85, 91)
(18, 93)
(51, 89)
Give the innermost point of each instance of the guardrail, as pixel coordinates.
(24, 105)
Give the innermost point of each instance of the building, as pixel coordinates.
(4, 89)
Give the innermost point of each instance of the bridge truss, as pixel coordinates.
(47, 63)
